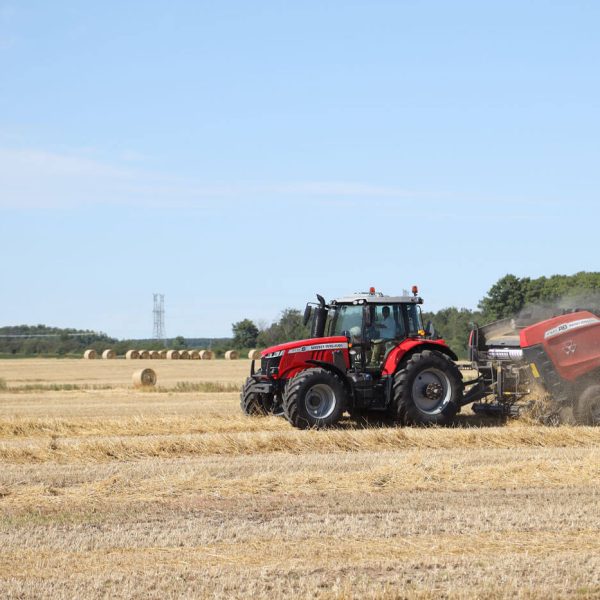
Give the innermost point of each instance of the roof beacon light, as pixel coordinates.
(415, 290)
(372, 291)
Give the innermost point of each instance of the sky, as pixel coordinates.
(240, 156)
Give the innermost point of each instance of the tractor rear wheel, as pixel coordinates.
(586, 410)
(251, 402)
(427, 389)
(314, 398)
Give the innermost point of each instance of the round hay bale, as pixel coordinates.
(172, 355)
(144, 354)
(154, 354)
(90, 354)
(206, 355)
(163, 353)
(194, 355)
(184, 355)
(108, 354)
(132, 354)
(232, 355)
(254, 354)
(144, 378)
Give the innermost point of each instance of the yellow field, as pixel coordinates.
(107, 491)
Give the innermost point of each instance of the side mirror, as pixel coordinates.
(430, 330)
(307, 314)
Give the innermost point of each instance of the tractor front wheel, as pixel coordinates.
(251, 402)
(586, 410)
(427, 389)
(314, 398)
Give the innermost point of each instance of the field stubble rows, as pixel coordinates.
(121, 493)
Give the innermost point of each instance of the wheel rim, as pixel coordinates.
(431, 391)
(320, 401)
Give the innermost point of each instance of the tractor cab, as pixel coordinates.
(373, 323)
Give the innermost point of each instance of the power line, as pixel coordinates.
(41, 335)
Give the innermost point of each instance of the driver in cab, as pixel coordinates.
(386, 327)
(385, 330)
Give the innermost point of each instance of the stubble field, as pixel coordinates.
(107, 491)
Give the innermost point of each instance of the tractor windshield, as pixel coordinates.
(345, 319)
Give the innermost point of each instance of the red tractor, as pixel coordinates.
(367, 352)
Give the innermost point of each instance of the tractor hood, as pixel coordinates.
(311, 345)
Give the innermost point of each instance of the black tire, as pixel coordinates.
(251, 402)
(427, 389)
(314, 398)
(586, 410)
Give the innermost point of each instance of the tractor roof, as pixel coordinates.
(377, 298)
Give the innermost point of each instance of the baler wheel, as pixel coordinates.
(314, 398)
(427, 389)
(251, 402)
(586, 410)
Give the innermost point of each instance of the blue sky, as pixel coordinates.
(241, 156)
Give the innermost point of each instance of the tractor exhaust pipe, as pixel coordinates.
(320, 320)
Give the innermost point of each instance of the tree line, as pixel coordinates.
(508, 297)
(41, 340)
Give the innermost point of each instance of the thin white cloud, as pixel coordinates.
(49, 164)
(31, 178)
(336, 188)
(34, 178)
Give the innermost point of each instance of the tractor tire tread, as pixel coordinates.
(292, 398)
(251, 402)
(406, 411)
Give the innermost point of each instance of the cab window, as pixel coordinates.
(415, 320)
(346, 320)
(385, 323)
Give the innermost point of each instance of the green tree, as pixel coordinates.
(289, 328)
(505, 298)
(454, 324)
(510, 294)
(179, 342)
(245, 333)
(30, 340)
(291, 325)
